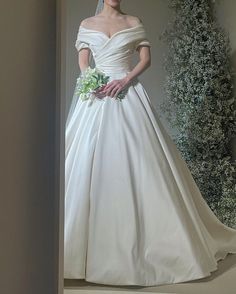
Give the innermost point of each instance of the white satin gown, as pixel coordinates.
(133, 213)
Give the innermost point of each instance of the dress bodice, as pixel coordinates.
(112, 54)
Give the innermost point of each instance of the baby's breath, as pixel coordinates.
(200, 101)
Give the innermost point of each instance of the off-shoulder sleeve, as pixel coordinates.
(144, 42)
(79, 43)
(141, 38)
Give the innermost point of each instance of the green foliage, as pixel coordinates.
(200, 101)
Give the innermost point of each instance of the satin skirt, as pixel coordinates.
(133, 212)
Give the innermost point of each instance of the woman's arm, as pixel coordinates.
(115, 86)
(83, 58)
(142, 65)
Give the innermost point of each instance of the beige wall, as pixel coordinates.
(226, 15)
(27, 122)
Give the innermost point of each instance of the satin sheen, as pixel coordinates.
(133, 213)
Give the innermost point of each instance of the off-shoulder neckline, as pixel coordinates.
(118, 32)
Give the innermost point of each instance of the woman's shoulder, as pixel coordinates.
(133, 20)
(88, 20)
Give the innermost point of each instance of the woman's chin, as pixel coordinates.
(113, 3)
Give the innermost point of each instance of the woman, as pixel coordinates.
(133, 213)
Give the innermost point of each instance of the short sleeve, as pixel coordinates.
(81, 41)
(144, 42)
(81, 44)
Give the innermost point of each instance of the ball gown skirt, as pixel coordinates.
(133, 212)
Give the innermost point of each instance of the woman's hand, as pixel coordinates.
(113, 88)
(99, 94)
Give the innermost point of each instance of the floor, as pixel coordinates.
(222, 281)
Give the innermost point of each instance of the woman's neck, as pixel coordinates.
(109, 11)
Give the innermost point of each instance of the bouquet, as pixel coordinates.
(89, 81)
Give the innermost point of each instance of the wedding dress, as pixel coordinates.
(133, 213)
